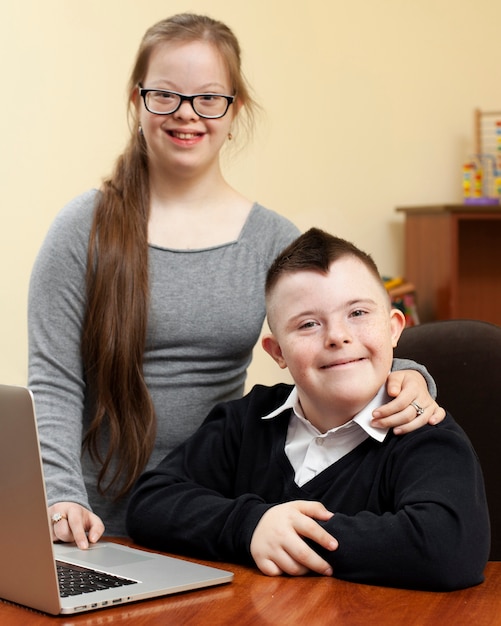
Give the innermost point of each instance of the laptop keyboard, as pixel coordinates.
(75, 580)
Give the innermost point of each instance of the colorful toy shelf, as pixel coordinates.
(482, 170)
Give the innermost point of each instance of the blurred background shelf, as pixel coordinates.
(453, 258)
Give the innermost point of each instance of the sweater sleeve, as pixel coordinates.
(188, 504)
(55, 312)
(408, 364)
(430, 527)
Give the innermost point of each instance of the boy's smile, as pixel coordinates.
(335, 333)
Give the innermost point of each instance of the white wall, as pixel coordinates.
(369, 105)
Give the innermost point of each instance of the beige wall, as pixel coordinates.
(369, 105)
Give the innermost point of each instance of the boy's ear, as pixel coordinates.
(272, 347)
(397, 324)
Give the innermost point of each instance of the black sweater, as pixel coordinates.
(409, 512)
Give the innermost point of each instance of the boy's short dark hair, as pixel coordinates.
(315, 250)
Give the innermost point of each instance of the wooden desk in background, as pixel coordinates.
(255, 599)
(453, 257)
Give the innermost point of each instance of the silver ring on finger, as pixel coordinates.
(419, 409)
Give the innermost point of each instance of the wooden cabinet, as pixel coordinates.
(453, 257)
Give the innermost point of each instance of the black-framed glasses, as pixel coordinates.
(163, 102)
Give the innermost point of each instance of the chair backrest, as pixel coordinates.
(464, 358)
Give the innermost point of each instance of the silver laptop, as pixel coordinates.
(31, 563)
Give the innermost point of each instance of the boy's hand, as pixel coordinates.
(277, 545)
(407, 386)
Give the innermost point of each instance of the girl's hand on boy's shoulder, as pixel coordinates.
(407, 387)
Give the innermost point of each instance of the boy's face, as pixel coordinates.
(335, 333)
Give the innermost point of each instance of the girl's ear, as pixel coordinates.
(272, 347)
(135, 98)
(238, 104)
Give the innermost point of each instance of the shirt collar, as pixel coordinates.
(363, 419)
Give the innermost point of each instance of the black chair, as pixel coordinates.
(464, 358)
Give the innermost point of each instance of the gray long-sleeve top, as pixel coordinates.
(207, 310)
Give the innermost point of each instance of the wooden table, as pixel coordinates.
(254, 599)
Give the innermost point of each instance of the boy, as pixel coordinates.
(295, 478)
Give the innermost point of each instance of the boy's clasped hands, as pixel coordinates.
(278, 544)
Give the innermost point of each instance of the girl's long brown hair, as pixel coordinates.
(117, 285)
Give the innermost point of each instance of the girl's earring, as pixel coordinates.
(230, 136)
(140, 129)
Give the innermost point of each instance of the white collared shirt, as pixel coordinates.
(310, 451)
